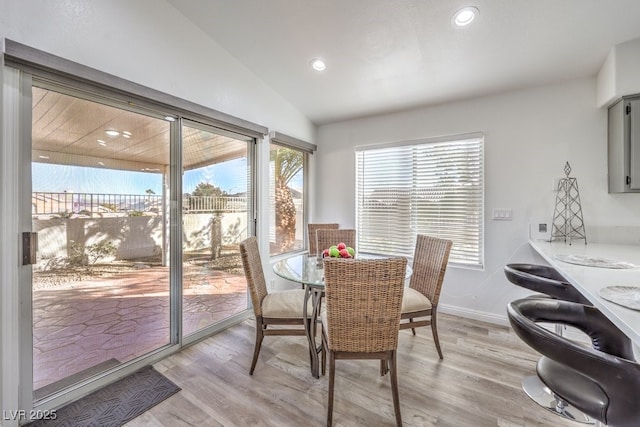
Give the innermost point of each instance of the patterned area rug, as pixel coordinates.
(115, 404)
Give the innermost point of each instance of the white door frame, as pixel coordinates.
(15, 300)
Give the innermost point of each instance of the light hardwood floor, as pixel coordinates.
(477, 383)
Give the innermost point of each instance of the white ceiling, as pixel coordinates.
(391, 55)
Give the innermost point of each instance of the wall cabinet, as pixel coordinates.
(624, 145)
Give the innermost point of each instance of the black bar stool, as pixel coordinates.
(550, 285)
(602, 380)
(545, 280)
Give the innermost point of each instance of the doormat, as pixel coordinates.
(115, 404)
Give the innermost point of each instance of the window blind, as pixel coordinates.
(433, 187)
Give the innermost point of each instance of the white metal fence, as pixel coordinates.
(95, 204)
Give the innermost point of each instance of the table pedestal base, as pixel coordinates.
(311, 326)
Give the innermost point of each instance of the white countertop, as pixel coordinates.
(589, 280)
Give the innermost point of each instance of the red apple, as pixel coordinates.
(325, 253)
(344, 253)
(341, 246)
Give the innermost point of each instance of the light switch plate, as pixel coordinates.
(501, 214)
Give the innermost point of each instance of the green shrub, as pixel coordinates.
(89, 255)
(100, 250)
(76, 255)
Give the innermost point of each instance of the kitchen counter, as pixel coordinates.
(589, 280)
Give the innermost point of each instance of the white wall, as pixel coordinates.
(619, 74)
(150, 43)
(529, 135)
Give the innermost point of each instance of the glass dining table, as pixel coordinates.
(308, 270)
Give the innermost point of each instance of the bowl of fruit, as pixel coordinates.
(340, 250)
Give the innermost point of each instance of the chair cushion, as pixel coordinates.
(285, 304)
(413, 300)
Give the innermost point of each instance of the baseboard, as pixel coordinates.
(474, 314)
(568, 332)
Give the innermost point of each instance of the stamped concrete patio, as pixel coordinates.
(84, 326)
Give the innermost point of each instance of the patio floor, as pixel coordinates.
(87, 325)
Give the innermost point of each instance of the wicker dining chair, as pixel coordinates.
(328, 237)
(313, 241)
(270, 308)
(420, 300)
(363, 300)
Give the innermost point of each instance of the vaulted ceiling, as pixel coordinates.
(391, 55)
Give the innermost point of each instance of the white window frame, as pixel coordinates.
(307, 149)
(431, 186)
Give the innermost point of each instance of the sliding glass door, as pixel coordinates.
(101, 281)
(216, 217)
(138, 216)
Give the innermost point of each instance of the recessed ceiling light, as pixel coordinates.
(112, 132)
(318, 64)
(170, 119)
(101, 142)
(43, 157)
(465, 16)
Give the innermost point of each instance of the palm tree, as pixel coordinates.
(149, 192)
(210, 192)
(288, 163)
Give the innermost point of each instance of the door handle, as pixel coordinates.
(29, 247)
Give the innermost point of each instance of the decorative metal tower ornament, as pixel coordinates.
(567, 217)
